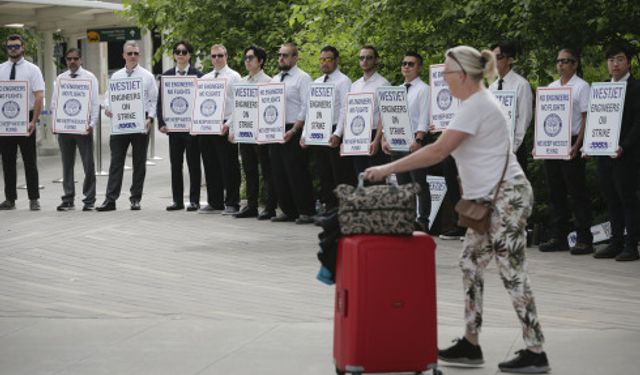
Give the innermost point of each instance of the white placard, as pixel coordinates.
(178, 99)
(271, 109)
(438, 189)
(14, 108)
(392, 103)
(606, 104)
(208, 114)
(126, 101)
(553, 123)
(318, 126)
(73, 108)
(508, 99)
(442, 104)
(245, 113)
(357, 128)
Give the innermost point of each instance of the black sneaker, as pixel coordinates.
(553, 244)
(66, 206)
(462, 352)
(453, 234)
(582, 248)
(526, 362)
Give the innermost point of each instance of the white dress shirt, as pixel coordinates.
(95, 101)
(296, 91)
(260, 77)
(418, 102)
(150, 90)
(580, 94)
(25, 71)
(524, 103)
(342, 85)
(370, 85)
(232, 77)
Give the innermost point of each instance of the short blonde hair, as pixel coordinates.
(221, 47)
(475, 64)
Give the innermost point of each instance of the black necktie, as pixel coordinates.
(282, 75)
(12, 76)
(407, 85)
(500, 83)
(216, 74)
(73, 75)
(181, 72)
(129, 73)
(326, 77)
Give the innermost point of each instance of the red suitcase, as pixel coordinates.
(385, 308)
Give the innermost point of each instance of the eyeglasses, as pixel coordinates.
(14, 46)
(454, 58)
(180, 52)
(217, 56)
(249, 57)
(284, 55)
(327, 59)
(565, 61)
(133, 53)
(409, 64)
(72, 58)
(368, 57)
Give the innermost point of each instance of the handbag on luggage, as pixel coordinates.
(385, 307)
(378, 209)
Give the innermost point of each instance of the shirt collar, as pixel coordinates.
(414, 81)
(22, 60)
(78, 72)
(623, 79)
(251, 77)
(186, 69)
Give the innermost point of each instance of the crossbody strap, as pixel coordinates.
(504, 171)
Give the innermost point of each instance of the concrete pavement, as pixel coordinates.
(156, 292)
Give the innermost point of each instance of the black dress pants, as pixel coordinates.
(9, 151)
(221, 169)
(567, 178)
(289, 166)
(252, 156)
(360, 163)
(424, 196)
(333, 170)
(119, 145)
(179, 144)
(619, 184)
(68, 145)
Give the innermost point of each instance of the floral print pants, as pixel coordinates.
(506, 240)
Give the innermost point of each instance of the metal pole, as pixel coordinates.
(152, 145)
(98, 139)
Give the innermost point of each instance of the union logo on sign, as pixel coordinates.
(357, 125)
(208, 107)
(179, 105)
(552, 125)
(72, 107)
(11, 109)
(270, 114)
(444, 99)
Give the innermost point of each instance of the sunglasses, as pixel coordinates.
(284, 55)
(565, 61)
(363, 58)
(249, 57)
(71, 58)
(500, 56)
(133, 53)
(217, 56)
(409, 64)
(14, 46)
(327, 59)
(180, 52)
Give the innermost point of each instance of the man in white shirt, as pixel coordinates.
(418, 102)
(19, 69)
(83, 142)
(253, 155)
(289, 162)
(369, 82)
(505, 53)
(219, 156)
(333, 169)
(119, 143)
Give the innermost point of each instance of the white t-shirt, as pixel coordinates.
(580, 94)
(481, 157)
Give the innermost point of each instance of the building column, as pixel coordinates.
(46, 139)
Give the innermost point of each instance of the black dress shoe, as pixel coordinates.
(193, 207)
(106, 206)
(553, 244)
(135, 206)
(282, 218)
(266, 215)
(611, 251)
(246, 212)
(172, 207)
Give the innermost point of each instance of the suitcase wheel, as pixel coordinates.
(437, 371)
(340, 372)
